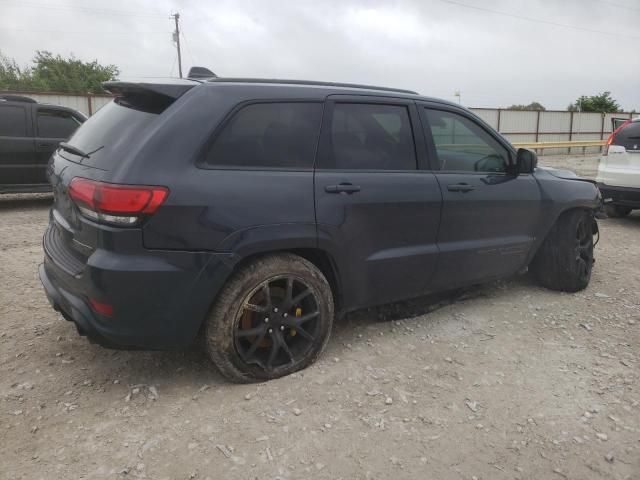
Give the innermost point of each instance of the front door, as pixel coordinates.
(17, 156)
(376, 212)
(489, 214)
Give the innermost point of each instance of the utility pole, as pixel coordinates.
(176, 38)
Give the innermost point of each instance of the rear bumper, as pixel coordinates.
(625, 196)
(159, 300)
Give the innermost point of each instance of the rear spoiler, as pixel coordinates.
(170, 90)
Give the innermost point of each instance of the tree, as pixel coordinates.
(602, 103)
(51, 73)
(531, 106)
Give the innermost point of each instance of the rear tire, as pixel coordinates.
(565, 258)
(617, 211)
(272, 318)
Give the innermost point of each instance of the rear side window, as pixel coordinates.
(628, 136)
(462, 145)
(56, 123)
(271, 135)
(13, 121)
(370, 137)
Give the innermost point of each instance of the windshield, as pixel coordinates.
(112, 126)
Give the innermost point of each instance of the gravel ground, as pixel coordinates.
(508, 381)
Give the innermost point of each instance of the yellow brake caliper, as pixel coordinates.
(293, 332)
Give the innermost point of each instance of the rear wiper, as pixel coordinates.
(71, 149)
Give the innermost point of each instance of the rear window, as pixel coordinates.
(629, 136)
(13, 121)
(56, 123)
(113, 125)
(271, 135)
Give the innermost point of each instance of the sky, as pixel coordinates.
(494, 52)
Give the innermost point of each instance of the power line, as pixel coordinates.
(81, 33)
(537, 20)
(186, 44)
(101, 11)
(619, 5)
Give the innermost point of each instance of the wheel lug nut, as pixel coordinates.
(275, 310)
(281, 327)
(285, 315)
(271, 330)
(266, 320)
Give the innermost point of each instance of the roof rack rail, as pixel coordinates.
(309, 82)
(17, 98)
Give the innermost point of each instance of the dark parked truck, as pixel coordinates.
(256, 211)
(29, 133)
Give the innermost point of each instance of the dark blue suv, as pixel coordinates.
(258, 210)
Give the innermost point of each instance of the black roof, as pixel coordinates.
(17, 98)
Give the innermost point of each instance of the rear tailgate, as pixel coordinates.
(620, 163)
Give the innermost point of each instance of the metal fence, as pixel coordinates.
(87, 104)
(523, 126)
(528, 126)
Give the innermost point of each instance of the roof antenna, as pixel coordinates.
(197, 73)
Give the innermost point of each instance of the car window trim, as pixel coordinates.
(433, 154)
(325, 131)
(52, 108)
(201, 157)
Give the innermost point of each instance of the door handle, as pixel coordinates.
(347, 188)
(460, 187)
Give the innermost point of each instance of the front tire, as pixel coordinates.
(272, 318)
(565, 258)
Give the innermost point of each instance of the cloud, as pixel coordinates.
(432, 46)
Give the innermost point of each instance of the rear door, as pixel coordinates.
(376, 211)
(52, 126)
(17, 156)
(488, 214)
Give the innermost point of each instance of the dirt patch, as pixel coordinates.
(507, 381)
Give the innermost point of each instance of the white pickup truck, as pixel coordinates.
(619, 169)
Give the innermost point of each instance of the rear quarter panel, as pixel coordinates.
(223, 210)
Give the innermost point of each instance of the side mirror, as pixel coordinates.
(526, 160)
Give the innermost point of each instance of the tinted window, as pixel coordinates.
(628, 136)
(371, 137)
(282, 135)
(462, 145)
(115, 124)
(13, 121)
(56, 123)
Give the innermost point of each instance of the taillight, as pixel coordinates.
(612, 137)
(116, 204)
(101, 307)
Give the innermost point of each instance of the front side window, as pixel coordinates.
(13, 121)
(276, 135)
(371, 137)
(462, 145)
(56, 123)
